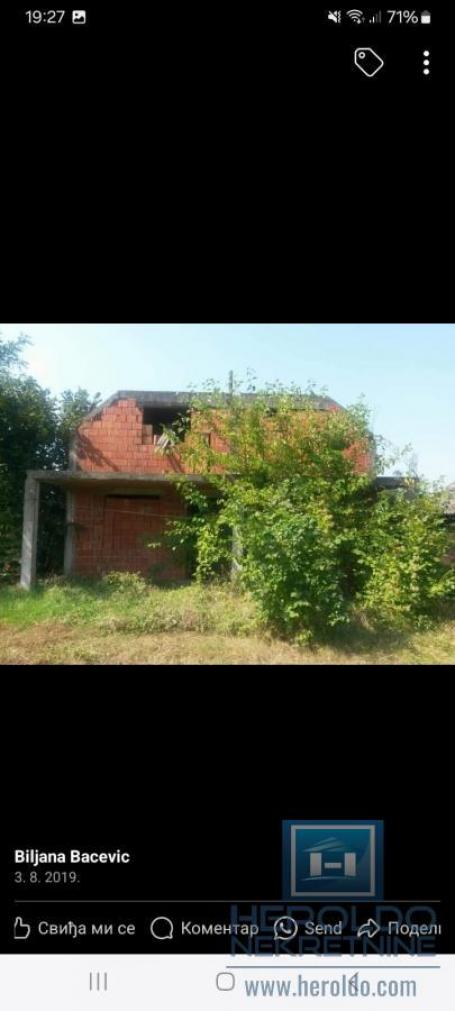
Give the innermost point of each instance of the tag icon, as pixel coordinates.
(368, 61)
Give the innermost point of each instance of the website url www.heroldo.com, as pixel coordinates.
(343, 986)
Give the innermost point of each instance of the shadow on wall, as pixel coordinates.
(85, 450)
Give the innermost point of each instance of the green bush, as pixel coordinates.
(400, 552)
(300, 525)
(288, 558)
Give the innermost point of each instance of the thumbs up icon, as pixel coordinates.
(21, 929)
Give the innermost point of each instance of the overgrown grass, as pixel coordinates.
(127, 604)
(121, 620)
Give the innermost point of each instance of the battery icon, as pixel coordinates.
(425, 17)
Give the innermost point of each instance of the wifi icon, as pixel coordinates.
(356, 16)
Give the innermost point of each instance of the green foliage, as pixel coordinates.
(298, 519)
(128, 583)
(276, 433)
(35, 431)
(289, 559)
(202, 540)
(72, 406)
(401, 547)
(11, 353)
(27, 423)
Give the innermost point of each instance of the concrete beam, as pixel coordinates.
(29, 533)
(93, 477)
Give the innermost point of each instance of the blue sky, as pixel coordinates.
(405, 371)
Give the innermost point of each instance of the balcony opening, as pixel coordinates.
(156, 419)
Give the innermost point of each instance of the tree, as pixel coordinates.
(27, 423)
(35, 431)
(11, 353)
(294, 488)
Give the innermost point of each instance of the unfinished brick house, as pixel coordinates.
(119, 488)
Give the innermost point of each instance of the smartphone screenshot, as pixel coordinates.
(192, 476)
(227, 910)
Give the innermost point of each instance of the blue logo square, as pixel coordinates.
(332, 859)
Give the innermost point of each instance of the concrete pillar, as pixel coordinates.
(69, 535)
(29, 533)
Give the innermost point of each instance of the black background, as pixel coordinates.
(200, 803)
(203, 163)
(236, 49)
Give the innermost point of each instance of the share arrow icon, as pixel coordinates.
(370, 928)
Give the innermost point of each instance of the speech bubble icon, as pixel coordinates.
(285, 928)
(162, 928)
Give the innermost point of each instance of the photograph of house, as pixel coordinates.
(298, 508)
(120, 487)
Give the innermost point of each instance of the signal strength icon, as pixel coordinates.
(356, 16)
(376, 19)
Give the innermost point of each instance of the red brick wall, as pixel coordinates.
(108, 534)
(119, 442)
